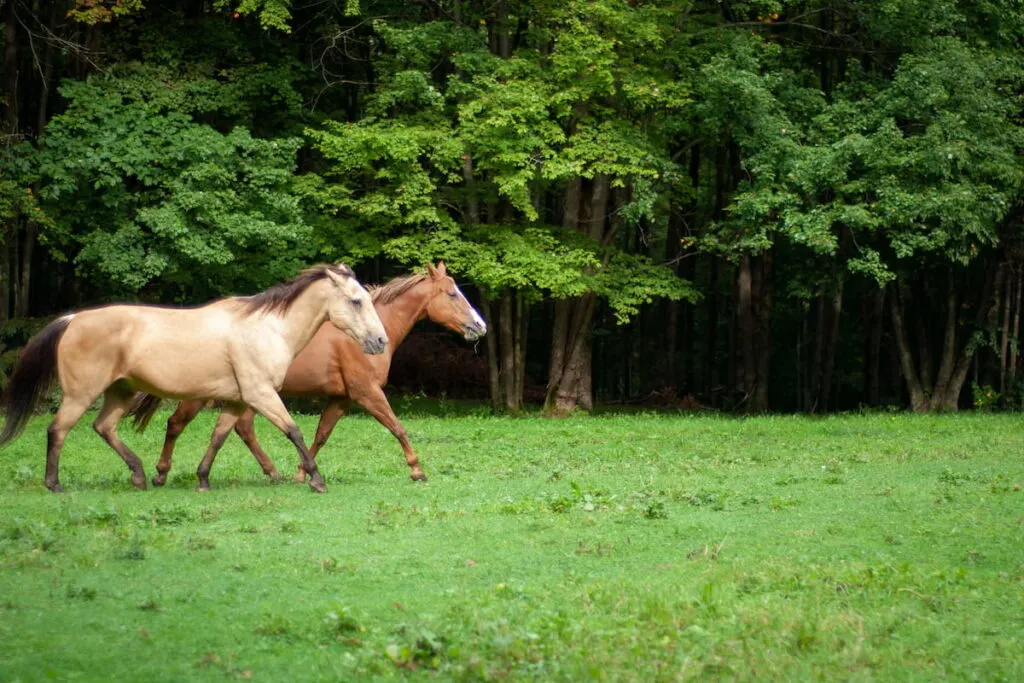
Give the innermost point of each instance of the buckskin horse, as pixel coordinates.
(332, 365)
(236, 350)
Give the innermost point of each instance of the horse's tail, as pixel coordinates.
(32, 377)
(142, 409)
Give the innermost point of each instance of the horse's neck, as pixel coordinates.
(400, 314)
(305, 316)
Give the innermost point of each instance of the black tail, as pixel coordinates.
(32, 377)
(142, 409)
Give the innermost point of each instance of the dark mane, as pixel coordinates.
(279, 298)
(385, 294)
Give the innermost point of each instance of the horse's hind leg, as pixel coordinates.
(115, 402)
(176, 423)
(225, 422)
(245, 431)
(69, 413)
(334, 411)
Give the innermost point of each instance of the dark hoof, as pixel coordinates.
(140, 484)
(56, 488)
(418, 476)
(159, 480)
(275, 476)
(316, 482)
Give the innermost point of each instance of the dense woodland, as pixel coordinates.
(774, 205)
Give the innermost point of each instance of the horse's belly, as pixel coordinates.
(183, 379)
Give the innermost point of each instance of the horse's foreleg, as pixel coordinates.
(225, 423)
(334, 411)
(376, 403)
(244, 429)
(70, 412)
(176, 423)
(115, 403)
(268, 404)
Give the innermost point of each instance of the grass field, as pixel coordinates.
(619, 547)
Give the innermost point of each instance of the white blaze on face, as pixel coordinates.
(476, 316)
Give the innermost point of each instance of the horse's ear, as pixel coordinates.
(441, 268)
(337, 279)
(432, 271)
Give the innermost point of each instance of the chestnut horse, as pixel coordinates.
(331, 365)
(236, 350)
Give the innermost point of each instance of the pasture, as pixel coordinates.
(618, 547)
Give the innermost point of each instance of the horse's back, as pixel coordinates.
(172, 352)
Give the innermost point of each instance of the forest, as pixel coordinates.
(755, 206)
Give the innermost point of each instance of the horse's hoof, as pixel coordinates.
(275, 476)
(159, 480)
(300, 478)
(140, 484)
(418, 476)
(56, 488)
(203, 488)
(316, 482)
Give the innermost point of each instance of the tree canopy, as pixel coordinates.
(661, 196)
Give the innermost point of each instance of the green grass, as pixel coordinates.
(629, 547)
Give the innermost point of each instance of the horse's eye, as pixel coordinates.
(356, 303)
(452, 294)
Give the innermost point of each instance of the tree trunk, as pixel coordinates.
(872, 356)
(506, 343)
(493, 375)
(712, 356)
(1015, 329)
(746, 371)
(1004, 333)
(10, 70)
(814, 371)
(986, 318)
(918, 401)
(763, 304)
(835, 308)
(570, 384)
(515, 401)
(25, 275)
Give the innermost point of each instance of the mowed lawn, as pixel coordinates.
(617, 547)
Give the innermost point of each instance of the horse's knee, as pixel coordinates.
(175, 426)
(101, 428)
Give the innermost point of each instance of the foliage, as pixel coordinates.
(138, 191)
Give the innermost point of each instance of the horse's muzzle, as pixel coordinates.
(474, 331)
(375, 345)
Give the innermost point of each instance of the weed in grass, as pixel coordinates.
(133, 550)
(288, 525)
(149, 605)
(194, 543)
(340, 623)
(275, 626)
(330, 565)
(170, 515)
(86, 593)
(780, 503)
(418, 648)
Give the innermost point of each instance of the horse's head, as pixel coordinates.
(447, 305)
(350, 309)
